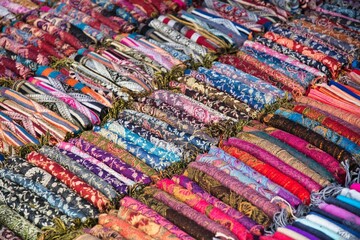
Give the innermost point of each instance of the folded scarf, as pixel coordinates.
(13, 221)
(54, 200)
(215, 188)
(21, 166)
(312, 137)
(199, 204)
(110, 160)
(284, 156)
(251, 225)
(200, 219)
(82, 188)
(270, 172)
(321, 157)
(123, 227)
(95, 182)
(111, 147)
(144, 224)
(137, 206)
(315, 166)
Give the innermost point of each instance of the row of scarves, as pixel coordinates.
(79, 97)
(98, 76)
(84, 176)
(336, 217)
(308, 181)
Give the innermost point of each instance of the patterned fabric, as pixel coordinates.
(91, 164)
(247, 79)
(7, 234)
(252, 66)
(300, 57)
(328, 134)
(54, 200)
(332, 64)
(303, 158)
(113, 162)
(284, 156)
(251, 173)
(13, 221)
(193, 108)
(135, 205)
(198, 142)
(267, 157)
(301, 76)
(308, 135)
(215, 188)
(20, 166)
(154, 139)
(33, 208)
(144, 224)
(200, 205)
(76, 168)
(213, 93)
(214, 104)
(111, 147)
(150, 159)
(123, 227)
(270, 172)
(83, 189)
(53, 103)
(326, 160)
(238, 90)
(134, 138)
(208, 226)
(251, 225)
(102, 232)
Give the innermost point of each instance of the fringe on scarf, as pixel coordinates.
(60, 231)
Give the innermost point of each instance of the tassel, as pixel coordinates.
(60, 231)
(118, 106)
(60, 63)
(26, 149)
(302, 210)
(329, 191)
(193, 64)
(163, 79)
(209, 59)
(137, 190)
(226, 129)
(6, 82)
(352, 176)
(280, 220)
(279, 103)
(174, 169)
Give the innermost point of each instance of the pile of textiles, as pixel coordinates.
(336, 217)
(296, 55)
(121, 105)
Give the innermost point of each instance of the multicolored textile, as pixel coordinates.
(111, 147)
(21, 166)
(83, 189)
(13, 221)
(113, 162)
(200, 205)
(76, 168)
(154, 216)
(215, 188)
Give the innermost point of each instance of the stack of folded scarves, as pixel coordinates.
(297, 54)
(337, 217)
(332, 129)
(24, 121)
